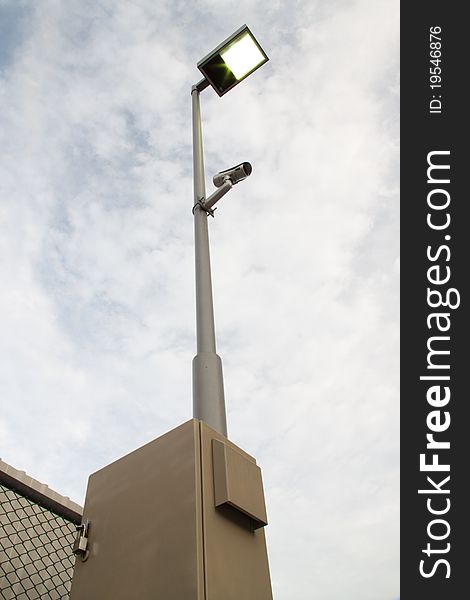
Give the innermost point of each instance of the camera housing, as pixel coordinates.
(234, 175)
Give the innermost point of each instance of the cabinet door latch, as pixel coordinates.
(81, 541)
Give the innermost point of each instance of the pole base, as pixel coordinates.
(208, 391)
(179, 518)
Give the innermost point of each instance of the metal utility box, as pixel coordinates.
(179, 519)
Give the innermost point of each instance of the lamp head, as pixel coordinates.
(233, 60)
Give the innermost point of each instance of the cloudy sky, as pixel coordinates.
(96, 258)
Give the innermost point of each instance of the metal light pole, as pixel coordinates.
(208, 383)
(223, 68)
(202, 535)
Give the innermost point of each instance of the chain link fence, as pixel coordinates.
(36, 559)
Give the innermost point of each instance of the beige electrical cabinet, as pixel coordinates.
(179, 519)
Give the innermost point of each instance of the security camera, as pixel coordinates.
(235, 174)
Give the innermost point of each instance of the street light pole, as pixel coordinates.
(186, 471)
(208, 383)
(207, 493)
(229, 63)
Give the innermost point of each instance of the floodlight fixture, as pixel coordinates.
(232, 61)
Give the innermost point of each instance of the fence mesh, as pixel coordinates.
(36, 559)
